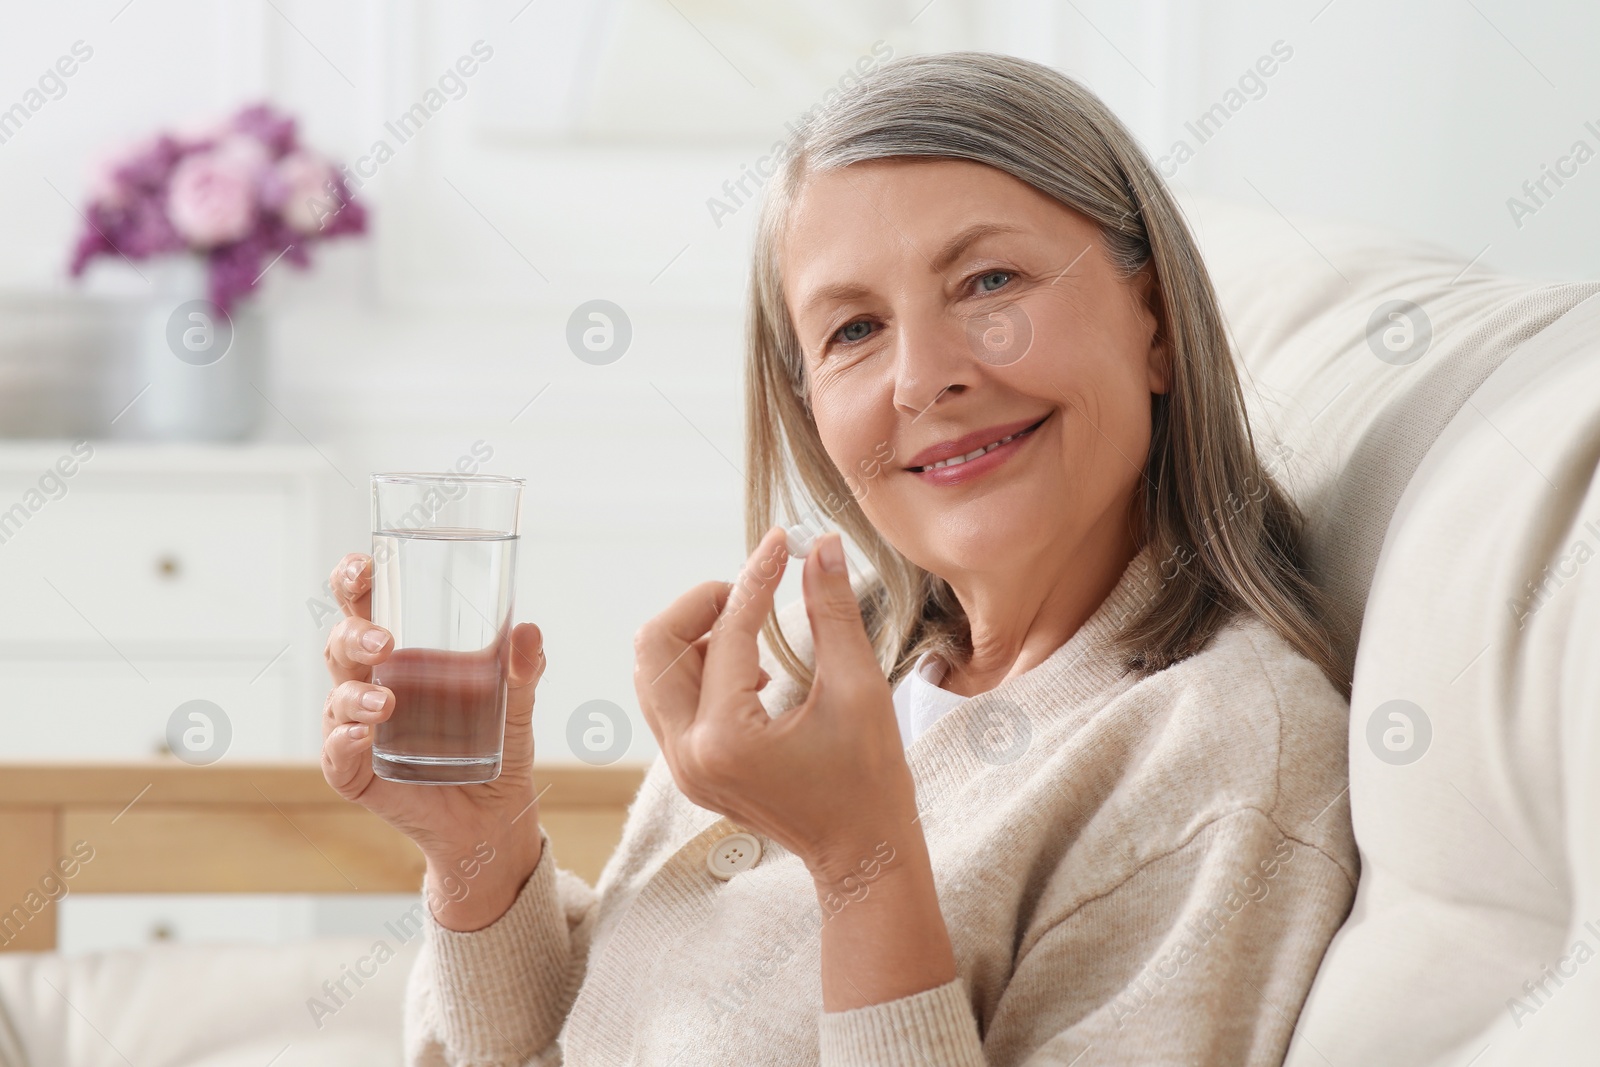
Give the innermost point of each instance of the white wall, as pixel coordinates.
(553, 181)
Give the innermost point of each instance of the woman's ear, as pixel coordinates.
(1159, 354)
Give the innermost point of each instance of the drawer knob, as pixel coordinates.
(167, 567)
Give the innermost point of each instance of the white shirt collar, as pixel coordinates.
(919, 700)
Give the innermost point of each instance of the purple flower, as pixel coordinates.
(273, 130)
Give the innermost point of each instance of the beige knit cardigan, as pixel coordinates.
(1132, 872)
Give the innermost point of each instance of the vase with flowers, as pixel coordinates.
(210, 212)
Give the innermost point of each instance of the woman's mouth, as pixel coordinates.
(976, 461)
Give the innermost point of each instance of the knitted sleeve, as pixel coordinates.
(500, 995)
(1202, 956)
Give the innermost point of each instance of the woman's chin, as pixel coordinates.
(990, 548)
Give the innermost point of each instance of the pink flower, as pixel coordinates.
(246, 151)
(212, 198)
(308, 200)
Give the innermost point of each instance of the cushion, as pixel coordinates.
(1298, 298)
(206, 1006)
(1478, 816)
(1454, 515)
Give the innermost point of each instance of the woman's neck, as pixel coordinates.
(1020, 615)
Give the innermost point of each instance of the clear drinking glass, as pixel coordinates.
(444, 560)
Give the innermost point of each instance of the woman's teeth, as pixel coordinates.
(974, 454)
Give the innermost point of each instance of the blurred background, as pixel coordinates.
(525, 229)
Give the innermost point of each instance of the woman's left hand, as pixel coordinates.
(826, 779)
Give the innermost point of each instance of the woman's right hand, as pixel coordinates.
(455, 826)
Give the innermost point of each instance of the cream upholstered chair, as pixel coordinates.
(1445, 459)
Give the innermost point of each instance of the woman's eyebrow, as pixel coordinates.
(838, 291)
(950, 251)
(953, 248)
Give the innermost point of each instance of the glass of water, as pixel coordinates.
(444, 560)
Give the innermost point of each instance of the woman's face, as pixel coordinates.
(943, 306)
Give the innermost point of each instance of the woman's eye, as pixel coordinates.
(853, 331)
(988, 283)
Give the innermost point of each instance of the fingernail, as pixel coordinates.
(830, 553)
(372, 700)
(372, 640)
(359, 731)
(353, 571)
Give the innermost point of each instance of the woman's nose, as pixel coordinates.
(933, 358)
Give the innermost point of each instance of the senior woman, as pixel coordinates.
(1057, 779)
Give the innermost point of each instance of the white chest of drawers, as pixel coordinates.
(135, 578)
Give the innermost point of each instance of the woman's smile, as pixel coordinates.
(965, 458)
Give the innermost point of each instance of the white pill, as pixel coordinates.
(800, 539)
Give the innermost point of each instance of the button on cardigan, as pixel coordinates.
(1132, 871)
